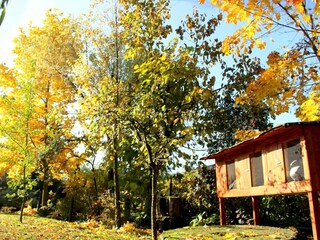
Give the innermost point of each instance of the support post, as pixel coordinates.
(255, 210)
(222, 207)
(314, 214)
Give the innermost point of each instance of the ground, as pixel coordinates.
(45, 228)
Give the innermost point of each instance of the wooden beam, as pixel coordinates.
(255, 210)
(222, 207)
(314, 214)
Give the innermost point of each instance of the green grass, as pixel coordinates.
(46, 228)
(35, 228)
(229, 232)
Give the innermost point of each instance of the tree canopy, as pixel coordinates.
(291, 77)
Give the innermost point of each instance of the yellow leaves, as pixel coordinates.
(131, 228)
(261, 45)
(163, 57)
(29, 211)
(242, 135)
(188, 99)
(310, 109)
(317, 7)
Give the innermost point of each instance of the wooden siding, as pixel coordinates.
(273, 163)
(274, 169)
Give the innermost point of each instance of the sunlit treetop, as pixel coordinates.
(262, 17)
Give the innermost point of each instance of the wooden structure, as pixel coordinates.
(282, 160)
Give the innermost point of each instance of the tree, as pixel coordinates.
(17, 129)
(236, 122)
(166, 93)
(103, 92)
(291, 77)
(44, 55)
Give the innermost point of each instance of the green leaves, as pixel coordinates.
(3, 6)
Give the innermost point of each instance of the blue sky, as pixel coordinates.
(21, 12)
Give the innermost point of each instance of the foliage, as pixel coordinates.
(37, 93)
(3, 6)
(232, 122)
(285, 211)
(107, 215)
(131, 229)
(165, 89)
(291, 77)
(201, 219)
(239, 210)
(198, 192)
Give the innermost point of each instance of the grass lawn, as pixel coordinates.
(46, 228)
(239, 232)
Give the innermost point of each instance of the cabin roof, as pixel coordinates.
(273, 132)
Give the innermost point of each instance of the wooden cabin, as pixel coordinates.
(282, 160)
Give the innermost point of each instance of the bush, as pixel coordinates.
(286, 211)
(141, 219)
(8, 209)
(202, 219)
(44, 211)
(107, 215)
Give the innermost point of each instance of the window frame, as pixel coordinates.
(231, 164)
(254, 172)
(288, 162)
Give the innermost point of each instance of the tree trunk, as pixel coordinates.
(71, 206)
(148, 199)
(154, 202)
(127, 208)
(24, 193)
(45, 193)
(39, 199)
(117, 132)
(116, 188)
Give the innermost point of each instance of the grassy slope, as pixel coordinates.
(44, 228)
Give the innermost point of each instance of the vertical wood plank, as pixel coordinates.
(255, 210)
(314, 214)
(222, 207)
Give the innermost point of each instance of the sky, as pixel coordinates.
(21, 12)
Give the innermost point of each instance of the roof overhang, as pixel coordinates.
(264, 137)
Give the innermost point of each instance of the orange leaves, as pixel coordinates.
(277, 85)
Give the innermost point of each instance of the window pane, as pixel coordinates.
(293, 160)
(257, 170)
(231, 172)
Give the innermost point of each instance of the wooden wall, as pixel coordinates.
(274, 169)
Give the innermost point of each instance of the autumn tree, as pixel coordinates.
(44, 55)
(233, 122)
(291, 75)
(166, 91)
(103, 90)
(17, 129)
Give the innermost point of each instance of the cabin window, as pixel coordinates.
(231, 173)
(293, 161)
(256, 169)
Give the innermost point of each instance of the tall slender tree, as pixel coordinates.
(17, 129)
(103, 90)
